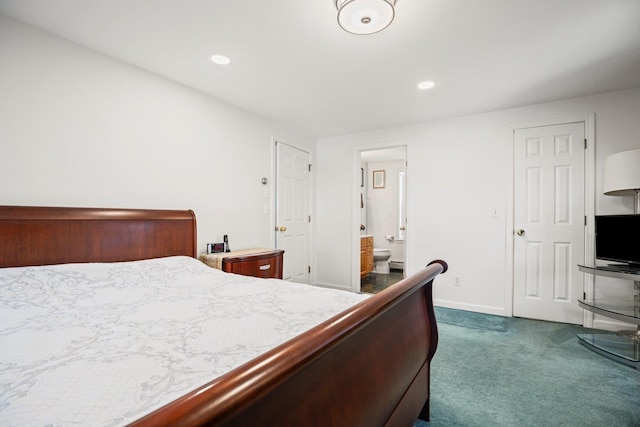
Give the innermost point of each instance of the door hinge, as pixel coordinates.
(585, 220)
(585, 143)
(309, 167)
(584, 296)
(309, 269)
(309, 218)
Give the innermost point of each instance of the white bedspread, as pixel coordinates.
(104, 344)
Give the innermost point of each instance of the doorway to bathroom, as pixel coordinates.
(383, 217)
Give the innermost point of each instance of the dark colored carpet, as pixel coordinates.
(496, 371)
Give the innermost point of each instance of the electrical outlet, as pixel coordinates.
(456, 281)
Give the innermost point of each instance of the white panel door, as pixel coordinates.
(292, 211)
(549, 222)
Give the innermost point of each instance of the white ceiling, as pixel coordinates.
(293, 64)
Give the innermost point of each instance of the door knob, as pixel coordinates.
(520, 232)
(282, 229)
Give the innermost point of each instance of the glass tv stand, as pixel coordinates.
(624, 346)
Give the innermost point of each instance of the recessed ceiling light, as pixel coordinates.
(426, 85)
(220, 59)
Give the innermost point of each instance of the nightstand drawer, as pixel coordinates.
(265, 263)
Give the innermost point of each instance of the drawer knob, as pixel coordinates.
(265, 267)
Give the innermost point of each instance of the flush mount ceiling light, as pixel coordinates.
(365, 16)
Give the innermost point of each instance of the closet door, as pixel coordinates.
(292, 211)
(549, 222)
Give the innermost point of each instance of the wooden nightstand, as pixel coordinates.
(258, 262)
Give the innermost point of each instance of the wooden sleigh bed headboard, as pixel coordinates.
(51, 235)
(369, 365)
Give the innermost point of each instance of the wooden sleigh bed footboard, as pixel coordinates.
(367, 366)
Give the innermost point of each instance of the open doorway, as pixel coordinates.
(383, 217)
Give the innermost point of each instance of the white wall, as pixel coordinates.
(457, 174)
(78, 128)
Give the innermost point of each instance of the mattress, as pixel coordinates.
(105, 344)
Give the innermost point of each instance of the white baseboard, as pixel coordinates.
(612, 325)
(497, 311)
(398, 265)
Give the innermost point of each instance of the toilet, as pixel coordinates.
(381, 260)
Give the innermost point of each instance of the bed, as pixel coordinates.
(368, 364)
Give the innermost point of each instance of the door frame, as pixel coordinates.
(355, 201)
(273, 194)
(589, 204)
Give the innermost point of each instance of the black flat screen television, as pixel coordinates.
(618, 239)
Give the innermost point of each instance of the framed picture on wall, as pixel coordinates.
(378, 179)
(361, 177)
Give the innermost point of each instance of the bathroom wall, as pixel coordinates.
(382, 207)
